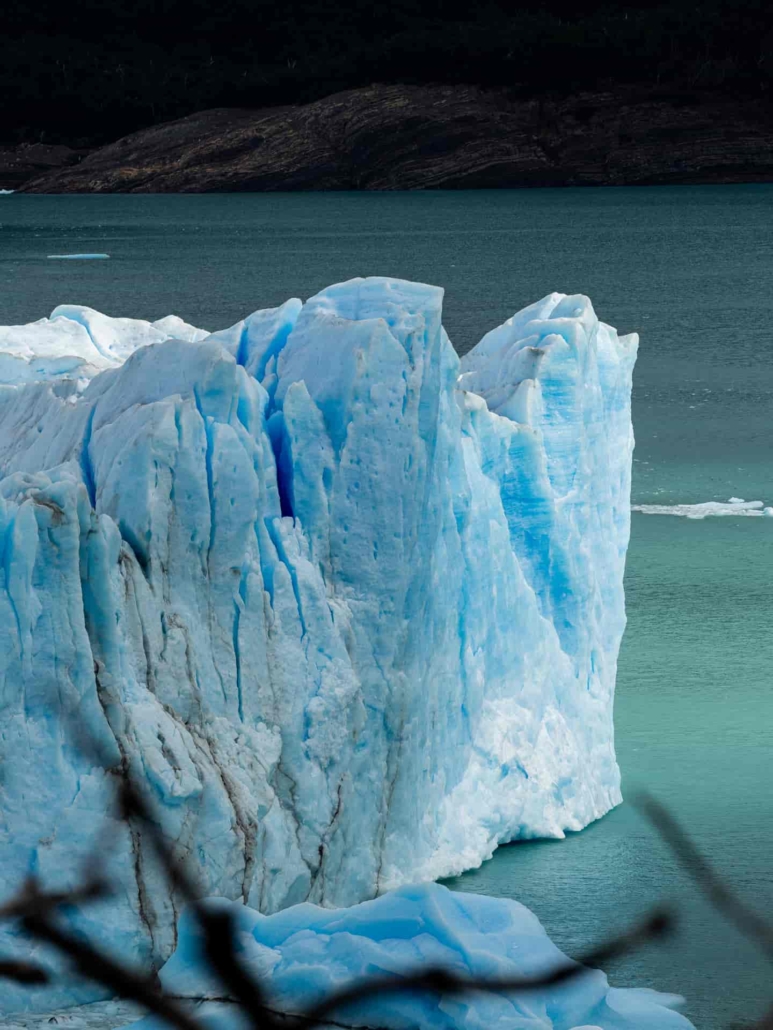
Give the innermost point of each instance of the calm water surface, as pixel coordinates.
(691, 270)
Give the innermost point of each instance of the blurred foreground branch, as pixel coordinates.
(37, 910)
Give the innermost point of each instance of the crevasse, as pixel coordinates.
(348, 608)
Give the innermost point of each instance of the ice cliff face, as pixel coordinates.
(350, 616)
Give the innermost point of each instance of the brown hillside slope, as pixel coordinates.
(452, 137)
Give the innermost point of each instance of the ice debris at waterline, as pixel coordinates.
(352, 618)
(306, 953)
(735, 506)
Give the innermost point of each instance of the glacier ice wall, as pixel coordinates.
(350, 610)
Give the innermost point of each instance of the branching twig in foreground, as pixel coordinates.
(36, 911)
(219, 947)
(441, 981)
(219, 929)
(34, 908)
(95, 966)
(22, 972)
(751, 925)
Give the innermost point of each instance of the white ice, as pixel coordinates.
(77, 257)
(78, 342)
(348, 608)
(735, 506)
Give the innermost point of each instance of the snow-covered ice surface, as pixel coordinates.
(353, 620)
(306, 953)
(735, 506)
(78, 342)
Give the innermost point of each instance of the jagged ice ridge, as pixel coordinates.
(348, 607)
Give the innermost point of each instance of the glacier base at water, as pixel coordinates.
(347, 608)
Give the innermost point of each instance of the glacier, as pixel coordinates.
(307, 953)
(77, 343)
(347, 607)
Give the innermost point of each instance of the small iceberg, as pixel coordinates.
(735, 506)
(305, 953)
(6, 193)
(77, 257)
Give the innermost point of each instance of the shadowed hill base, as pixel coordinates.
(417, 137)
(19, 164)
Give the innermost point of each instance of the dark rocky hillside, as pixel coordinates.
(24, 161)
(425, 137)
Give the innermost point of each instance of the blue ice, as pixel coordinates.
(347, 607)
(304, 954)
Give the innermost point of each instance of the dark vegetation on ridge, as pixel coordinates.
(85, 73)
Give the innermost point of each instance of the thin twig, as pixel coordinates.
(32, 901)
(22, 972)
(719, 894)
(218, 927)
(35, 909)
(220, 951)
(766, 1023)
(133, 805)
(99, 967)
(441, 981)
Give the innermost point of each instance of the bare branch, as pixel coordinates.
(766, 1023)
(32, 901)
(218, 927)
(133, 805)
(701, 871)
(35, 909)
(441, 981)
(219, 947)
(23, 972)
(96, 966)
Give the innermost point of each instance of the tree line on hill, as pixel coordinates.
(87, 73)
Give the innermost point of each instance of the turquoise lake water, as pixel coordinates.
(691, 270)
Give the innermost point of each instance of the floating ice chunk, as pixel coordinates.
(305, 953)
(735, 506)
(77, 257)
(5, 193)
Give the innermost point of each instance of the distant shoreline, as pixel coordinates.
(421, 137)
